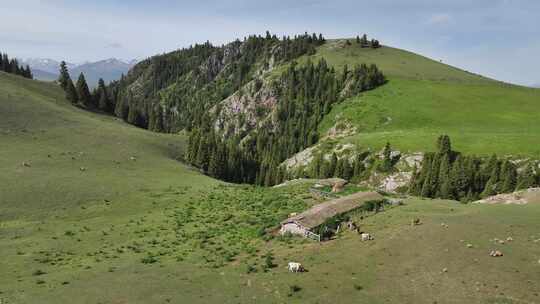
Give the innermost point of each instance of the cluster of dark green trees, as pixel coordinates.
(79, 93)
(192, 80)
(336, 167)
(354, 167)
(364, 42)
(305, 94)
(12, 66)
(450, 175)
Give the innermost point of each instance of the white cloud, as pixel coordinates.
(115, 45)
(440, 18)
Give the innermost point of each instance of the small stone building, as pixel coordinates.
(305, 223)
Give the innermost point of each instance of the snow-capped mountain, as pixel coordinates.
(45, 64)
(108, 69)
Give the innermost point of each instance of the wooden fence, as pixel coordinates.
(313, 236)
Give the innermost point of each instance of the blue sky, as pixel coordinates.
(496, 38)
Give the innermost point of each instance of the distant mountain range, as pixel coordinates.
(108, 69)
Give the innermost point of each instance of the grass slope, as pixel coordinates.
(68, 233)
(150, 230)
(40, 128)
(424, 98)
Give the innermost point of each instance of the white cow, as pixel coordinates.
(295, 267)
(366, 237)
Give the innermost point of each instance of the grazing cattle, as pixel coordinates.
(495, 253)
(366, 237)
(295, 267)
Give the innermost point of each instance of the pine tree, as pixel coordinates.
(487, 170)
(316, 165)
(422, 175)
(387, 164)
(203, 154)
(434, 176)
(193, 145)
(445, 190)
(345, 74)
(347, 169)
(458, 178)
(268, 178)
(64, 77)
(325, 170)
(71, 92)
(509, 177)
(526, 178)
(157, 120)
(14, 65)
(216, 163)
(491, 187)
(83, 92)
(414, 181)
(28, 72)
(359, 167)
(364, 41)
(339, 168)
(469, 197)
(333, 165)
(443, 144)
(103, 100)
(5, 63)
(213, 168)
(426, 185)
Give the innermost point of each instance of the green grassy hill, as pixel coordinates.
(93, 209)
(137, 226)
(424, 98)
(40, 128)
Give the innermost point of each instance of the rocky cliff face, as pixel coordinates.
(245, 110)
(390, 182)
(164, 85)
(220, 59)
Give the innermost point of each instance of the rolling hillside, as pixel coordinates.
(39, 128)
(267, 100)
(93, 210)
(424, 98)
